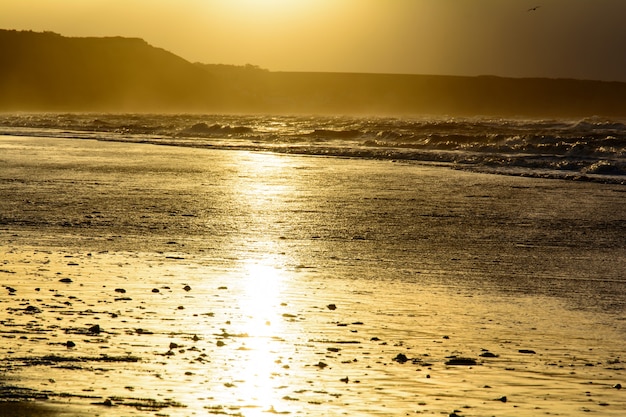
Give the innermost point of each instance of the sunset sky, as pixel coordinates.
(561, 38)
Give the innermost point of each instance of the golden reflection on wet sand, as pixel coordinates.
(254, 284)
(260, 369)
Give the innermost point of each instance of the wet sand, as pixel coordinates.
(148, 281)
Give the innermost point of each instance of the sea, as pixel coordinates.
(311, 265)
(588, 149)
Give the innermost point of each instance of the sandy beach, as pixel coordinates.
(142, 280)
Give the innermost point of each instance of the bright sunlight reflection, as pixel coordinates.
(260, 281)
(262, 322)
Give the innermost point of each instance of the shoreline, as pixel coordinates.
(199, 281)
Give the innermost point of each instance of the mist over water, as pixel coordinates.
(590, 149)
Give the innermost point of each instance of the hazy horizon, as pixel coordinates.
(559, 39)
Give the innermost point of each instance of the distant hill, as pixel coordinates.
(49, 72)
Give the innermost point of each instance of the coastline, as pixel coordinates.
(250, 252)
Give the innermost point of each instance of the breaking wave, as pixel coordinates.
(591, 149)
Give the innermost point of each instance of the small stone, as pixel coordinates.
(120, 290)
(70, 344)
(400, 358)
(107, 402)
(155, 290)
(187, 288)
(503, 399)
(331, 307)
(346, 380)
(617, 386)
(488, 355)
(173, 345)
(66, 280)
(321, 365)
(95, 329)
(461, 362)
(220, 343)
(527, 351)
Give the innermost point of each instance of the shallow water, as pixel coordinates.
(590, 149)
(423, 261)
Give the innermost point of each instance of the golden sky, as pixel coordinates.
(562, 38)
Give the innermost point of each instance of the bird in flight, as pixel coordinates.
(532, 9)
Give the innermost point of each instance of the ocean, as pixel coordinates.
(182, 265)
(591, 149)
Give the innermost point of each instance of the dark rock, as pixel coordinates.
(173, 345)
(617, 386)
(95, 329)
(66, 280)
(120, 290)
(32, 310)
(155, 290)
(346, 380)
(321, 365)
(187, 288)
(400, 358)
(70, 344)
(488, 355)
(527, 351)
(503, 399)
(461, 362)
(331, 307)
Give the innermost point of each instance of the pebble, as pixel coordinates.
(95, 329)
(331, 307)
(461, 362)
(400, 358)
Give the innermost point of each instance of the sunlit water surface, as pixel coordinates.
(244, 283)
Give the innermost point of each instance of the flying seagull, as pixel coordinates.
(532, 9)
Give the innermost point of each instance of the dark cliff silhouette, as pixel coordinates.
(49, 72)
(45, 71)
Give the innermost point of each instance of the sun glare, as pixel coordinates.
(269, 10)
